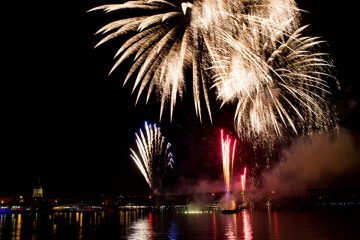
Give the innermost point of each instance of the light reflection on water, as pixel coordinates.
(140, 230)
(214, 229)
(142, 225)
(230, 227)
(276, 226)
(247, 230)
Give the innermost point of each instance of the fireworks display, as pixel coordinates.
(243, 181)
(153, 154)
(228, 147)
(162, 41)
(253, 53)
(275, 91)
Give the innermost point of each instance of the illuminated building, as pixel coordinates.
(38, 191)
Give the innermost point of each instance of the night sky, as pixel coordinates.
(65, 120)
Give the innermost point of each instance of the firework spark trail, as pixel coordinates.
(153, 155)
(228, 154)
(255, 50)
(243, 180)
(162, 43)
(274, 91)
(272, 72)
(270, 18)
(169, 35)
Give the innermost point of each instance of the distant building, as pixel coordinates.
(38, 190)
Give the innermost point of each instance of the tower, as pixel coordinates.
(38, 191)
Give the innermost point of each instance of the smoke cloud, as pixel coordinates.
(187, 186)
(319, 161)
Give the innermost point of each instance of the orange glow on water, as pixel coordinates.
(18, 227)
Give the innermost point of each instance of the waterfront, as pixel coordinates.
(143, 224)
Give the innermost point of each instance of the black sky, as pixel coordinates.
(65, 120)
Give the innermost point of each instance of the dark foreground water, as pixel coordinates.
(144, 225)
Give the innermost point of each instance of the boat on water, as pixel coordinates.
(235, 210)
(230, 211)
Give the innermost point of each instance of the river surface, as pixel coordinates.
(142, 225)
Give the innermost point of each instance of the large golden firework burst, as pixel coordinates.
(252, 52)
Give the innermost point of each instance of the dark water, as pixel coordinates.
(171, 225)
